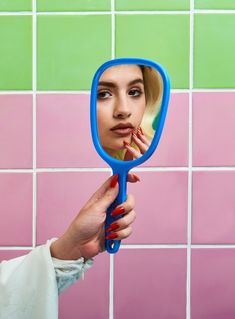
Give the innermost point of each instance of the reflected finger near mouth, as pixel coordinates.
(143, 138)
(131, 149)
(142, 146)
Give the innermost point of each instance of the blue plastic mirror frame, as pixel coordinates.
(122, 167)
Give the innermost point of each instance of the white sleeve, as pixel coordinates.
(29, 285)
(69, 271)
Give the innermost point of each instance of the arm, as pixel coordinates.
(29, 285)
(72, 253)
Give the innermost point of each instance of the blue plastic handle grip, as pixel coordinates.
(112, 245)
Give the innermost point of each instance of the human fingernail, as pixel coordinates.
(140, 131)
(114, 181)
(112, 227)
(136, 178)
(126, 143)
(112, 236)
(133, 134)
(118, 211)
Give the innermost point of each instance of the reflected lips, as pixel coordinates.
(123, 129)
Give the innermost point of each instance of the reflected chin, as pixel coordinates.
(117, 145)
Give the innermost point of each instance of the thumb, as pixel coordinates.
(128, 156)
(106, 193)
(108, 198)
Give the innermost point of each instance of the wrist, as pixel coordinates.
(64, 249)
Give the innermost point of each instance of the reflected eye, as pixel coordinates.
(103, 95)
(135, 92)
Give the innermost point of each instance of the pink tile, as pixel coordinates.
(150, 283)
(16, 138)
(10, 254)
(213, 129)
(213, 284)
(16, 209)
(63, 132)
(88, 298)
(60, 196)
(161, 207)
(213, 217)
(172, 149)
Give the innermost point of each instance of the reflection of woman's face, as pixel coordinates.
(120, 105)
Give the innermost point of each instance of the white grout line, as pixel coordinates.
(190, 148)
(206, 246)
(219, 11)
(175, 91)
(34, 86)
(16, 92)
(113, 28)
(64, 92)
(153, 12)
(176, 246)
(111, 283)
(140, 169)
(143, 246)
(214, 90)
(77, 13)
(22, 13)
(84, 13)
(153, 246)
(111, 287)
(15, 248)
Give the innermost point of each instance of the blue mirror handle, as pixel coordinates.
(111, 245)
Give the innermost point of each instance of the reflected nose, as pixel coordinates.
(122, 109)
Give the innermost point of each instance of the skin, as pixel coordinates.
(121, 99)
(85, 236)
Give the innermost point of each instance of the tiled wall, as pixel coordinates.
(180, 261)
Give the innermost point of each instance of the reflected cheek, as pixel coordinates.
(138, 113)
(103, 120)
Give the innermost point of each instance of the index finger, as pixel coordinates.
(131, 177)
(103, 189)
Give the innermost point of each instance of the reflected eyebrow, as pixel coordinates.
(108, 84)
(136, 81)
(114, 85)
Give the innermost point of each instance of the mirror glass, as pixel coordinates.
(129, 98)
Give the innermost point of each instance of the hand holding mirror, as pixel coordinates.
(129, 100)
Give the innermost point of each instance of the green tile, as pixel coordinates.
(214, 4)
(152, 5)
(73, 5)
(70, 49)
(16, 52)
(214, 49)
(163, 38)
(17, 5)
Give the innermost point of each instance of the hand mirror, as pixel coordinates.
(129, 100)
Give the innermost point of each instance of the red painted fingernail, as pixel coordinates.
(112, 236)
(114, 226)
(118, 211)
(126, 143)
(114, 181)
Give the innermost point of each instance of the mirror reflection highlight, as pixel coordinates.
(129, 98)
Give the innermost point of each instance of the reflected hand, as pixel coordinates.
(141, 141)
(85, 235)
